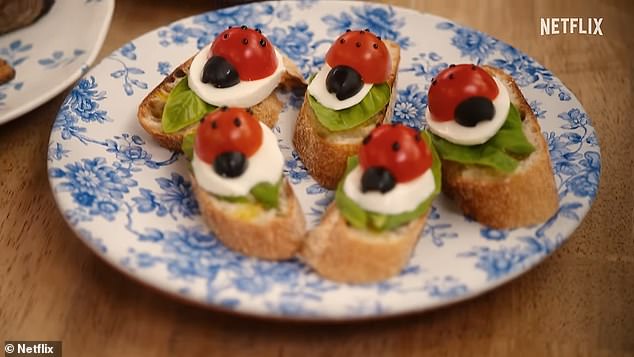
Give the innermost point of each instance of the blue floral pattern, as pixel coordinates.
(58, 59)
(132, 201)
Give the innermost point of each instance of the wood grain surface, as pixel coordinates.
(580, 301)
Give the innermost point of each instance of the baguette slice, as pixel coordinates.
(342, 253)
(151, 108)
(526, 196)
(266, 234)
(324, 153)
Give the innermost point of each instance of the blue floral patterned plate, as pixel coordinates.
(48, 56)
(131, 202)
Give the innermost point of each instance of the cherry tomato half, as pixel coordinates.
(247, 50)
(227, 129)
(397, 148)
(364, 52)
(455, 84)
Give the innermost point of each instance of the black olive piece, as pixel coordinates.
(377, 179)
(396, 146)
(229, 27)
(230, 164)
(220, 73)
(376, 46)
(344, 81)
(473, 110)
(225, 36)
(258, 30)
(342, 41)
(362, 32)
(237, 122)
(347, 30)
(263, 42)
(379, 38)
(358, 44)
(452, 65)
(367, 30)
(245, 41)
(244, 27)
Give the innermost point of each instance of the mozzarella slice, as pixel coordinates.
(264, 166)
(243, 95)
(479, 134)
(404, 197)
(317, 88)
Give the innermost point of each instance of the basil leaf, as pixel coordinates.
(183, 108)
(267, 194)
(362, 219)
(498, 152)
(188, 145)
(344, 119)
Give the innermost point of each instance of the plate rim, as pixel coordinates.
(85, 67)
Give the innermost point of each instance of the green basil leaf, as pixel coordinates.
(183, 108)
(499, 152)
(267, 194)
(338, 120)
(188, 145)
(362, 219)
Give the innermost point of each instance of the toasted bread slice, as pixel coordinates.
(340, 252)
(7, 73)
(251, 230)
(524, 197)
(151, 108)
(324, 153)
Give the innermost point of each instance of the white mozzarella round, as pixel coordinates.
(404, 197)
(317, 88)
(481, 132)
(242, 95)
(264, 166)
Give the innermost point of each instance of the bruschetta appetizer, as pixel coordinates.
(350, 94)
(237, 179)
(240, 68)
(369, 232)
(496, 164)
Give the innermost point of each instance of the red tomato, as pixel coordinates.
(227, 129)
(397, 148)
(364, 52)
(455, 84)
(248, 51)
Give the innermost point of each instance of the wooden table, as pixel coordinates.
(580, 301)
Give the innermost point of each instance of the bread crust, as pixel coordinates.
(524, 197)
(345, 254)
(151, 108)
(325, 154)
(275, 237)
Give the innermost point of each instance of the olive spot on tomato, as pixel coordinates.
(367, 29)
(244, 27)
(452, 65)
(396, 146)
(225, 36)
(450, 75)
(358, 44)
(367, 139)
(237, 122)
(245, 41)
(342, 41)
(362, 32)
(376, 46)
(347, 30)
(263, 42)
(473, 67)
(258, 30)
(379, 37)
(214, 125)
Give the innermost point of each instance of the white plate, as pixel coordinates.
(52, 53)
(130, 200)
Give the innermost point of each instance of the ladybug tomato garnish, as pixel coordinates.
(248, 51)
(364, 52)
(398, 149)
(227, 130)
(457, 84)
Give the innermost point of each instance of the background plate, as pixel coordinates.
(131, 201)
(52, 53)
